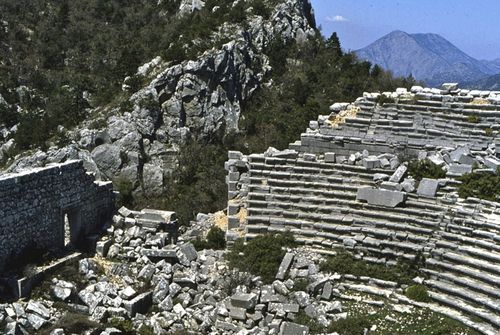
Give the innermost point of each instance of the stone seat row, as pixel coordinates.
(460, 258)
(415, 209)
(463, 306)
(338, 222)
(465, 293)
(345, 202)
(383, 235)
(298, 174)
(464, 281)
(463, 270)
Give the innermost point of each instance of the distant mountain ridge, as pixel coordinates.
(428, 57)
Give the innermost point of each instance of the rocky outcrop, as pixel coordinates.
(198, 98)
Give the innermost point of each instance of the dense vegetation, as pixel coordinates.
(262, 255)
(345, 263)
(307, 79)
(60, 58)
(483, 185)
(424, 168)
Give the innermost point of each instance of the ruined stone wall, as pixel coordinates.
(33, 205)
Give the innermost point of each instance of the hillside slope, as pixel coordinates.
(154, 110)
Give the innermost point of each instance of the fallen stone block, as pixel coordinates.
(371, 162)
(381, 197)
(244, 300)
(459, 169)
(102, 247)
(187, 253)
(168, 254)
(139, 304)
(391, 186)
(290, 328)
(398, 174)
(284, 266)
(428, 187)
(238, 313)
(492, 163)
(329, 157)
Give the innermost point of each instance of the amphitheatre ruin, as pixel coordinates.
(346, 184)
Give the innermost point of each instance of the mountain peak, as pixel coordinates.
(426, 56)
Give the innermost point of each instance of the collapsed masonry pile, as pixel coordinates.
(184, 289)
(345, 195)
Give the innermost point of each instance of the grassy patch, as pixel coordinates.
(262, 255)
(346, 263)
(473, 118)
(73, 323)
(419, 321)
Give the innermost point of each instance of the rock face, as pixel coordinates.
(198, 98)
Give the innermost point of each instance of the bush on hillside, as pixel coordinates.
(483, 185)
(417, 293)
(262, 255)
(345, 263)
(216, 240)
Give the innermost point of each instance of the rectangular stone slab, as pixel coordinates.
(284, 266)
(381, 197)
(428, 187)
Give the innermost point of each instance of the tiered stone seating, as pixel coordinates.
(316, 198)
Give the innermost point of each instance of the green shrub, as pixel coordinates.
(488, 132)
(382, 99)
(345, 263)
(145, 330)
(473, 118)
(125, 188)
(262, 255)
(125, 325)
(417, 293)
(300, 285)
(216, 239)
(420, 169)
(483, 185)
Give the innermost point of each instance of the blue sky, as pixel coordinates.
(472, 25)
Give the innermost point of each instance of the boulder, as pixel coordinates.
(108, 159)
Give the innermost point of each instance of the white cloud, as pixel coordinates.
(336, 18)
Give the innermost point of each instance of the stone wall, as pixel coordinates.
(35, 203)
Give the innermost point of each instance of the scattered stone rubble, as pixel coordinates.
(167, 287)
(345, 184)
